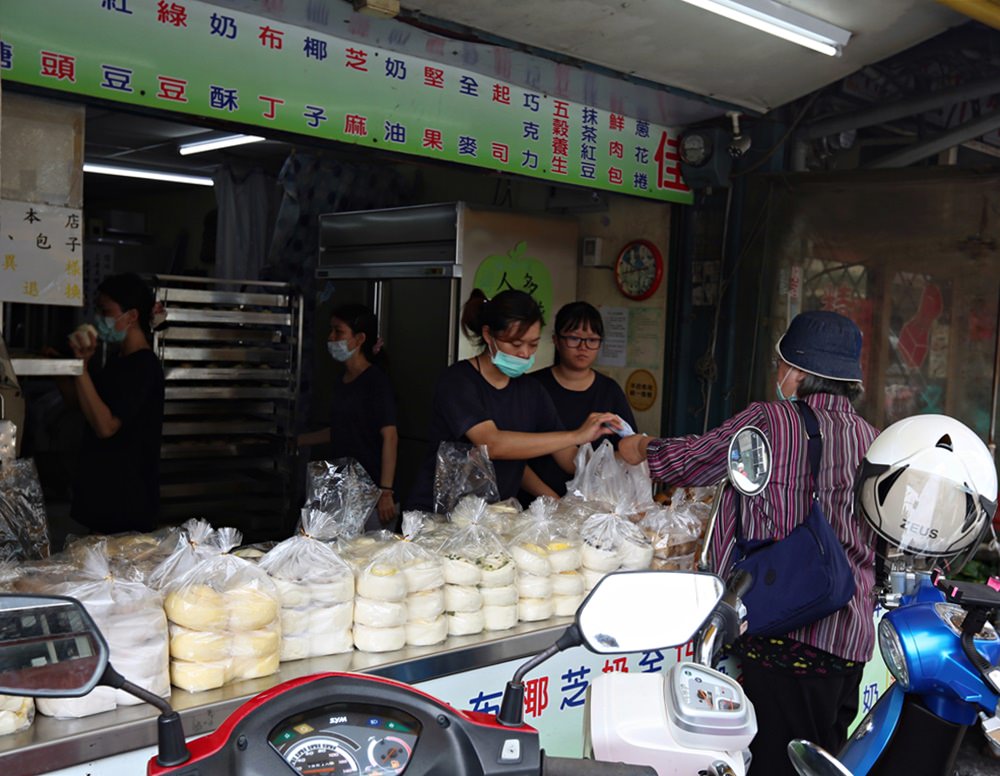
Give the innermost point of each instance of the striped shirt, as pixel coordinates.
(701, 460)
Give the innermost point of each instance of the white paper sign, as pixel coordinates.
(614, 350)
(41, 254)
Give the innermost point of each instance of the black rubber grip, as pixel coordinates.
(569, 766)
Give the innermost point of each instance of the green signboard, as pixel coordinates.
(204, 60)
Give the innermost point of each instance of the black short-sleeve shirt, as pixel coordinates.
(464, 399)
(117, 486)
(359, 411)
(603, 395)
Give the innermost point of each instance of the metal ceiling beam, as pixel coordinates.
(903, 108)
(960, 134)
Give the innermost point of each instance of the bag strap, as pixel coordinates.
(814, 448)
(814, 452)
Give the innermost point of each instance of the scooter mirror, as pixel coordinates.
(636, 611)
(49, 647)
(811, 760)
(749, 461)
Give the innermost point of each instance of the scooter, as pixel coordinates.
(938, 642)
(691, 719)
(338, 723)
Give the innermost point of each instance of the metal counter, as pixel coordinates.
(50, 743)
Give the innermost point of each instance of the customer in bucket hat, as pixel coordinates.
(806, 683)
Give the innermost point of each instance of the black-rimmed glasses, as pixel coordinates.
(590, 343)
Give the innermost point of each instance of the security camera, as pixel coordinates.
(740, 143)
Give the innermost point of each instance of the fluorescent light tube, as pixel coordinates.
(152, 175)
(781, 21)
(200, 146)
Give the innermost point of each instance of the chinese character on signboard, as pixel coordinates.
(41, 254)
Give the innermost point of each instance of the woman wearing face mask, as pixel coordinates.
(805, 684)
(576, 389)
(117, 486)
(484, 401)
(363, 410)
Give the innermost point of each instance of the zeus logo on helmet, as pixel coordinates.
(921, 530)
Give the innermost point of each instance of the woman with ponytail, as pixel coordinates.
(363, 410)
(483, 401)
(117, 485)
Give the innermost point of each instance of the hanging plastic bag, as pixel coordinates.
(24, 533)
(463, 470)
(130, 616)
(343, 490)
(224, 620)
(316, 588)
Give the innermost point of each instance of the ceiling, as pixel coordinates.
(672, 43)
(665, 43)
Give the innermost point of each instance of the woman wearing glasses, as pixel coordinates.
(576, 389)
(484, 400)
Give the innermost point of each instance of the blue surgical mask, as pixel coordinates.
(781, 393)
(338, 349)
(512, 366)
(106, 329)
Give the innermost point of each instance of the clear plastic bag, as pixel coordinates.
(16, 714)
(343, 490)
(196, 541)
(603, 478)
(316, 589)
(611, 542)
(130, 616)
(463, 470)
(223, 600)
(24, 533)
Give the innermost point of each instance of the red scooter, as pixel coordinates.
(339, 723)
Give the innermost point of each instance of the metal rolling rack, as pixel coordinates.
(231, 351)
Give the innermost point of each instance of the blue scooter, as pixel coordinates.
(943, 653)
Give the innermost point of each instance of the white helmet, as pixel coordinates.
(928, 486)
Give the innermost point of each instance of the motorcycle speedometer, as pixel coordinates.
(892, 653)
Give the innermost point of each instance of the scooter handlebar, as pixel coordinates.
(565, 766)
(739, 584)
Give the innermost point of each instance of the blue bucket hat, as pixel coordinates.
(823, 343)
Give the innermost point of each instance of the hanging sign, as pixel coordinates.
(205, 60)
(41, 254)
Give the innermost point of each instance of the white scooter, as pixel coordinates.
(691, 719)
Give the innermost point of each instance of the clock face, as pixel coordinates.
(639, 269)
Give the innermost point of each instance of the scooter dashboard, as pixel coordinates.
(347, 738)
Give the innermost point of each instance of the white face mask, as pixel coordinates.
(338, 349)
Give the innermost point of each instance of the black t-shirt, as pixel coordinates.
(360, 410)
(603, 395)
(118, 481)
(464, 399)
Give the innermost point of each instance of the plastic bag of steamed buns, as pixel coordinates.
(130, 615)
(316, 588)
(610, 543)
(481, 578)
(224, 619)
(400, 599)
(548, 557)
(16, 713)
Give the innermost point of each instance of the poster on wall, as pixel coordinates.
(505, 250)
(614, 348)
(42, 257)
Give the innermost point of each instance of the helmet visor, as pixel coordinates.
(925, 506)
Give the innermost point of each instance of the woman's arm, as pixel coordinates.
(521, 446)
(533, 484)
(97, 413)
(566, 458)
(386, 501)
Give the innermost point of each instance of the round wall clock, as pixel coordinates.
(639, 270)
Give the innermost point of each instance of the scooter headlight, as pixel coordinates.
(892, 652)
